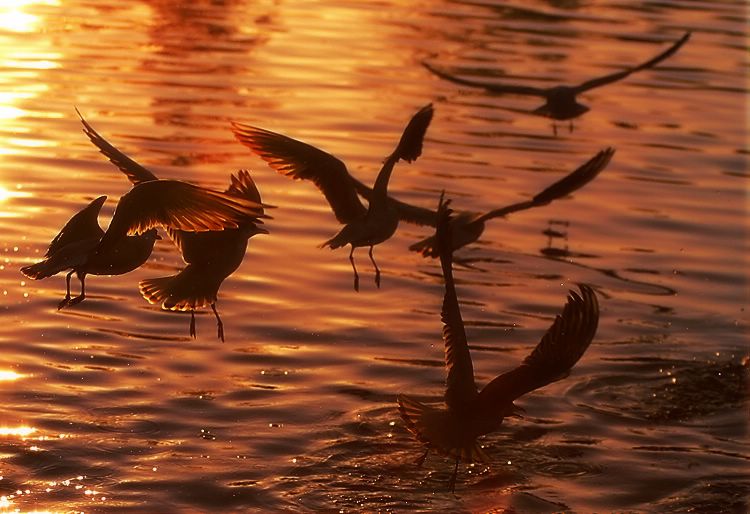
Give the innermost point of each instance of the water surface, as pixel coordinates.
(110, 406)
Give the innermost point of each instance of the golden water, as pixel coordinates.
(110, 406)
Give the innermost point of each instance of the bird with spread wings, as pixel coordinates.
(470, 412)
(363, 226)
(560, 102)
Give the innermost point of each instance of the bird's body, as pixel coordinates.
(469, 412)
(77, 248)
(362, 226)
(210, 256)
(560, 102)
(370, 230)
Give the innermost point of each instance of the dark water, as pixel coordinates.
(111, 407)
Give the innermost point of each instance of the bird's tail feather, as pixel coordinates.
(41, 269)
(431, 426)
(176, 292)
(426, 247)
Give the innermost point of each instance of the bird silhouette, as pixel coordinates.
(560, 101)
(74, 249)
(362, 226)
(467, 227)
(210, 256)
(469, 412)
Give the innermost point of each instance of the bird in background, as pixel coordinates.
(74, 249)
(560, 101)
(210, 256)
(362, 226)
(470, 413)
(466, 227)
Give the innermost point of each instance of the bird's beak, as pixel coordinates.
(158, 237)
(260, 230)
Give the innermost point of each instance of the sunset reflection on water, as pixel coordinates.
(296, 411)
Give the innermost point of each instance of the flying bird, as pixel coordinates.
(74, 249)
(560, 101)
(362, 226)
(210, 256)
(467, 227)
(470, 413)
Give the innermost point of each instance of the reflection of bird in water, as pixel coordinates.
(73, 249)
(362, 226)
(471, 413)
(553, 234)
(210, 256)
(466, 227)
(560, 101)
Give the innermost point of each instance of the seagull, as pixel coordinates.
(560, 101)
(210, 256)
(73, 249)
(362, 226)
(467, 227)
(469, 412)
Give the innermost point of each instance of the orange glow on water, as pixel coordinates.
(22, 431)
(114, 386)
(7, 375)
(15, 18)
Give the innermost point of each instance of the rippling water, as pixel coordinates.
(110, 406)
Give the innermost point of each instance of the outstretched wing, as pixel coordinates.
(134, 171)
(563, 187)
(409, 148)
(489, 86)
(468, 227)
(613, 77)
(177, 205)
(299, 160)
(561, 347)
(410, 145)
(460, 388)
(83, 225)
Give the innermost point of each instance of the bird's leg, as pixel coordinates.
(356, 275)
(81, 297)
(65, 300)
(570, 127)
(192, 323)
(554, 128)
(452, 481)
(377, 270)
(420, 460)
(219, 324)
